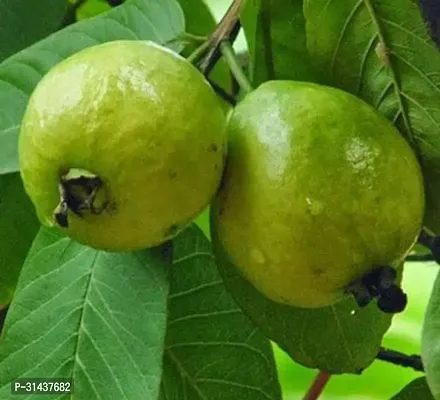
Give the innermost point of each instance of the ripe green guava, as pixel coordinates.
(122, 145)
(319, 190)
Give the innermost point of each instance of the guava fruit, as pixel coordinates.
(122, 145)
(319, 190)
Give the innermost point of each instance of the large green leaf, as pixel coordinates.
(157, 20)
(275, 32)
(415, 390)
(212, 350)
(18, 227)
(430, 340)
(381, 51)
(24, 22)
(338, 339)
(96, 317)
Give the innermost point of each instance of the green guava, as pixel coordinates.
(122, 145)
(319, 190)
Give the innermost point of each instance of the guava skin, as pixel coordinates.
(141, 118)
(318, 190)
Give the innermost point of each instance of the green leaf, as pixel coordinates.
(24, 22)
(430, 340)
(212, 350)
(381, 51)
(157, 20)
(18, 227)
(96, 317)
(417, 389)
(198, 17)
(275, 32)
(338, 339)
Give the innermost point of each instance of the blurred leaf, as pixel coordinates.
(156, 20)
(417, 389)
(275, 32)
(18, 227)
(212, 350)
(338, 339)
(77, 313)
(24, 22)
(92, 8)
(430, 340)
(381, 51)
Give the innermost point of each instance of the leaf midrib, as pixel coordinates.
(81, 329)
(397, 89)
(185, 374)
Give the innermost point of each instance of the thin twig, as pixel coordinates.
(403, 360)
(198, 53)
(318, 386)
(243, 59)
(227, 30)
(235, 67)
(223, 93)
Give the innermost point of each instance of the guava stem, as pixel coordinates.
(190, 37)
(198, 53)
(235, 67)
(318, 386)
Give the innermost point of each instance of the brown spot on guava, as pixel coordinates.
(213, 147)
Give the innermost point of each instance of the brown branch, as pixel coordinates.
(318, 386)
(227, 29)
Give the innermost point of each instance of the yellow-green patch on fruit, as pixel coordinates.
(144, 122)
(319, 189)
